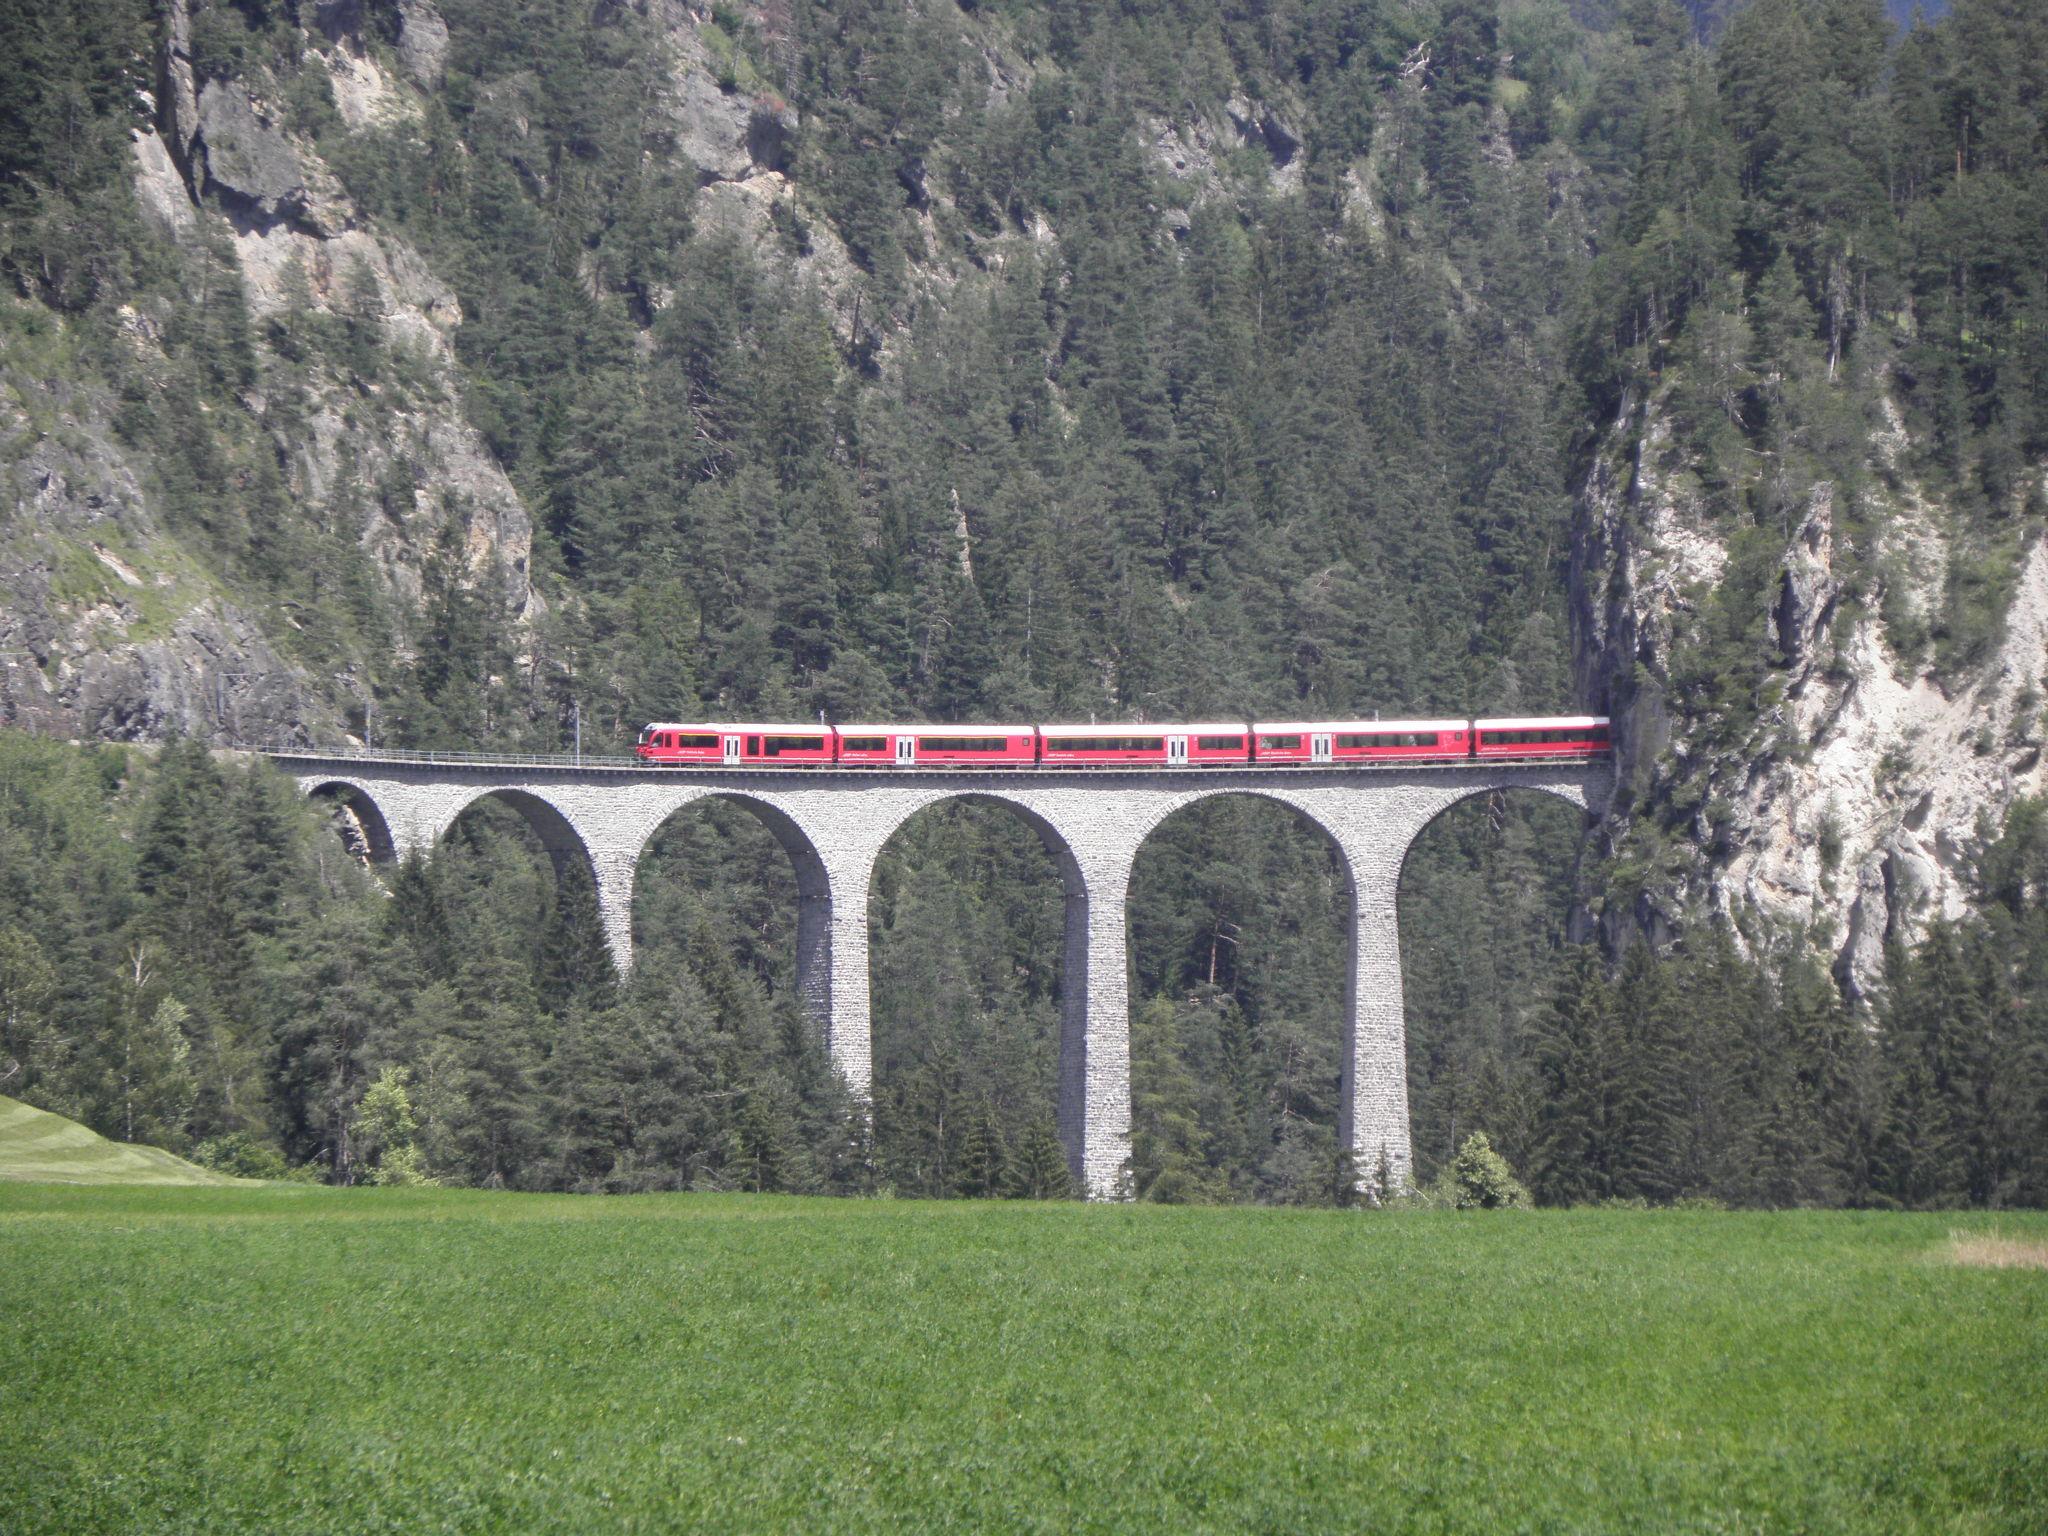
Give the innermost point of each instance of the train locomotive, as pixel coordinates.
(1209, 745)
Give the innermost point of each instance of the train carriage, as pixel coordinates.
(875, 746)
(1400, 740)
(666, 741)
(1167, 746)
(1289, 742)
(1212, 744)
(784, 746)
(1350, 741)
(751, 745)
(1558, 736)
(969, 746)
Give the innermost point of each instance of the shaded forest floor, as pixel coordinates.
(289, 1358)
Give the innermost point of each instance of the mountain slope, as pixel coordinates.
(445, 373)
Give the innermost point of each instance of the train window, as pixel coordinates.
(864, 743)
(1219, 743)
(964, 743)
(678, 740)
(1376, 739)
(1105, 743)
(753, 746)
(1279, 743)
(780, 744)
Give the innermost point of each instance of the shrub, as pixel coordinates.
(1481, 1180)
(241, 1156)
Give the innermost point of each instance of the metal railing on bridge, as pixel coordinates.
(453, 759)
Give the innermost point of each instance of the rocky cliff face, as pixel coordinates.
(1855, 809)
(116, 628)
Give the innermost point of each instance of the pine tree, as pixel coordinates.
(1585, 1090)
(1040, 1171)
(1167, 1163)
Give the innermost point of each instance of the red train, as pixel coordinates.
(1205, 745)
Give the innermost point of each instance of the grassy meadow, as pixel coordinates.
(299, 1359)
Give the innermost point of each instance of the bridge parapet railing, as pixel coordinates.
(450, 759)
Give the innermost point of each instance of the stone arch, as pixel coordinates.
(1464, 956)
(558, 835)
(813, 959)
(378, 845)
(1303, 812)
(1056, 842)
(1571, 791)
(1307, 818)
(558, 828)
(1094, 1146)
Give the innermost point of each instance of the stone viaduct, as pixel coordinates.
(834, 822)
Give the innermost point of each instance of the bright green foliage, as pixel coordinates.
(386, 1133)
(1479, 1178)
(347, 1359)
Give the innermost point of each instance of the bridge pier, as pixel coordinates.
(1095, 1035)
(1372, 1114)
(833, 826)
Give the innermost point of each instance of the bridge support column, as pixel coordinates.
(1095, 1027)
(832, 961)
(1373, 1096)
(613, 872)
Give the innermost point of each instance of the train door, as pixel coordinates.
(732, 751)
(906, 751)
(1176, 751)
(1319, 746)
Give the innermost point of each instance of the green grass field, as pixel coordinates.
(286, 1358)
(43, 1147)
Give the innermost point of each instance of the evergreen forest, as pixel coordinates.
(998, 413)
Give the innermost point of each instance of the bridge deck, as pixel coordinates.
(373, 758)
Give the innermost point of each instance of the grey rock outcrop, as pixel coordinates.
(1854, 814)
(422, 42)
(108, 631)
(249, 163)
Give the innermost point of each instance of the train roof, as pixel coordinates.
(743, 727)
(1144, 728)
(1263, 726)
(1543, 723)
